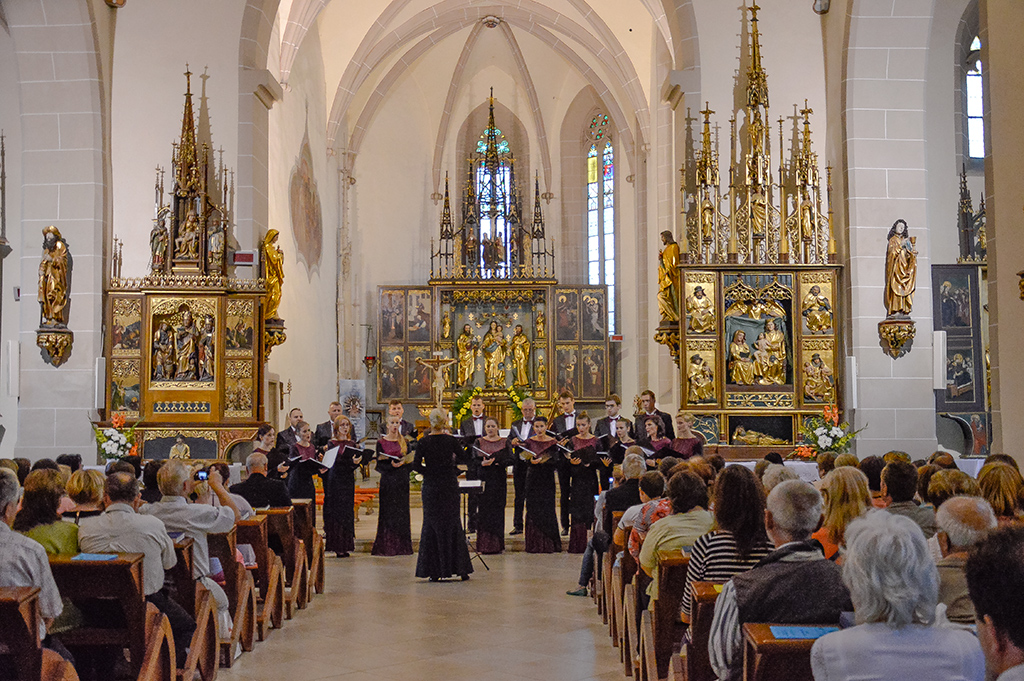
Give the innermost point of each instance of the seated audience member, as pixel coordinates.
(794, 584)
(72, 461)
(196, 521)
(894, 586)
(1003, 487)
(776, 473)
(119, 466)
(1001, 458)
(653, 510)
(943, 460)
(258, 489)
(872, 466)
(760, 468)
(774, 457)
(717, 462)
(826, 463)
(689, 520)
(85, 489)
(38, 518)
(45, 464)
(652, 488)
(121, 530)
(846, 496)
(948, 483)
(896, 455)
(963, 523)
(704, 470)
(150, 487)
(995, 580)
(899, 485)
(847, 459)
(924, 478)
(599, 505)
(738, 541)
(205, 495)
(23, 561)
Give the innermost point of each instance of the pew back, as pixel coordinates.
(766, 658)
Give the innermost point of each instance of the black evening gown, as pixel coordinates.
(443, 549)
(394, 536)
(301, 474)
(340, 501)
(584, 488)
(542, 534)
(490, 522)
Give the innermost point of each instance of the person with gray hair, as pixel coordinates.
(776, 473)
(794, 584)
(258, 489)
(893, 584)
(963, 523)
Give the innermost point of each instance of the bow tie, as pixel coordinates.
(478, 418)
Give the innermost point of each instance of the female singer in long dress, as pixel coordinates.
(490, 520)
(340, 491)
(687, 443)
(542, 534)
(304, 464)
(443, 549)
(264, 443)
(584, 483)
(656, 441)
(394, 535)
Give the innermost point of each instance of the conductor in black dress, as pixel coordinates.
(521, 431)
(443, 549)
(564, 426)
(650, 409)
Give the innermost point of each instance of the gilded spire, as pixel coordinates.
(757, 79)
(446, 213)
(188, 158)
(707, 164)
(538, 216)
(469, 202)
(491, 150)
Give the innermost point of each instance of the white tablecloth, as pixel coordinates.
(807, 470)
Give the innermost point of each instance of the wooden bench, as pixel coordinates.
(697, 663)
(766, 658)
(158, 664)
(240, 592)
(19, 632)
(180, 577)
(627, 612)
(305, 529)
(269, 575)
(608, 598)
(203, 651)
(118, 580)
(365, 495)
(281, 524)
(666, 628)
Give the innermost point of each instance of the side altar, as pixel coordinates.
(492, 303)
(185, 344)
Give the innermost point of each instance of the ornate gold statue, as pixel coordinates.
(770, 365)
(817, 310)
(493, 348)
(446, 325)
(542, 372)
(701, 310)
(465, 347)
(701, 381)
(707, 220)
(186, 352)
(273, 273)
(180, 450)
(818, 383)
(520, 350)
(668, 278)
(158, 246)
(900, 270)
(742, 436)
(186, 246)
(741, 365)
(540, 323)
(54, 279)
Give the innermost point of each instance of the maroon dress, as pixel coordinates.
(541, 518)
(490, 519)
(584, 489)
(686, 447)
(394, 534)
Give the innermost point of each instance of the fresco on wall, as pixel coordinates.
(307, 219)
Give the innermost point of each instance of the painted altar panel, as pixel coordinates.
(957, 310)
(124, 358)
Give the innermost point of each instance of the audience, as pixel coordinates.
(847, 460)
(204, 493)
(995, 580)
(948, 483)
(258, 489)
(120, 529)
(899, 485)
(652, 488)
(24, 468)
(896, 455)
(872, 466)
(826, 463)
(893, 585)
(1001, 458)
(38, 518)
(963, 523)
(45, 464)
(85, 489)
(846, 496)
(739, 540)
(655, 509)
(150, 487)
(794, 584)
(1003, 487)
(72, 461)
(776, 473)
(943, 460)
(924, 478)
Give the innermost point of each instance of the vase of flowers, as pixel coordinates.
(516, 397)
(115, 442)
(824, 434)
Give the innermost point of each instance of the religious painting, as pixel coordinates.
(700, 372)
(185, 343)
(392, 315)
(126, 327)
(757, 331)
(239, 328)
(392, 373)
(420, 376)
(238, 389)
(960, 375)
(816, 303)
(595, 315)
(352, 395)
(955, 300)
(180, 444)
(760, 431)
(567, 327)
(419, 316)
(567, 369)
(699, 303)
(964, 432)
(304, 201)
(956, 310)
(979, 434)
(594, 370)
(125, 389)
(817, 375)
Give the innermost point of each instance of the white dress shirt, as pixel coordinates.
(570, 421)
(196, 521)
(478, 425)
(121, 530)
(23, 562)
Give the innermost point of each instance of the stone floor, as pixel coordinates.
(377, 621)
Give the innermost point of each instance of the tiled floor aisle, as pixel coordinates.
(376, 621)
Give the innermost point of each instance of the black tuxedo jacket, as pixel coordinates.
(558, 423)
(603, 426)
(285, 439)
(322, 435)
(466, 427)
(260, 491)
(641, 434)
(516, 430)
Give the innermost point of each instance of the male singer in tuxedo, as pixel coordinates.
(395, 408)
(564, 426)
(325, 431)
(285, 439)
(606, 425)
(650, 409)
(521, 430)
(473, 425)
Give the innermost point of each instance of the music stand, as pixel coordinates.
(467, 487)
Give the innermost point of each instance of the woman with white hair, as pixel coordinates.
(443, 550)
(893, 584)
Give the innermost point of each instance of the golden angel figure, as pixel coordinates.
(54, 279)
(900, 270)
(668, 278)
(273, 273)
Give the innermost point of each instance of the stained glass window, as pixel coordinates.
(601, 212)
(975, 103)
(494, 193)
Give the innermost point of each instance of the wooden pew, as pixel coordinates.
(203, 651)
(668, 628)
(269, 575)
(180, 576)
(19, 632)
(631, 634)
(702, 612)
(241, 595)
(305, 529)
(626, 611)
(608, 598)
(118, 580)
(158, 664)
(766, 658)
(281, 524)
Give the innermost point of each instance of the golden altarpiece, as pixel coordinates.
(749, 294)
(492, 305)
(184, 347)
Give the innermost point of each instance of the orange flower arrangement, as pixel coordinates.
(114, 442)
(824, 434)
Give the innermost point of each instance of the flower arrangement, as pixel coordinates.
(516, 397)
(460, 407)
(824, 434)
(415, 480)
(115, 442)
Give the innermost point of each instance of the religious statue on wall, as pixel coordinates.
(163, 353)
(207, 350)
(446, 325)
(215, 247)
(465, 347)
(741, 365)
(819, 386)
(186, 351)
(770, 356)
(493, 348)
(701, 310)
(54, 280)
(520, 351)
(900, 270)
(158, 246)
(186, 245)
(744, 436)
(817, 311)
(668, 278)
(540, 324)
(701, 381)
(273, 273)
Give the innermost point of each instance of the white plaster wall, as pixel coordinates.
(10, 123)
(148, 98)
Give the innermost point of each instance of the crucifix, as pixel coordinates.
(437, 364)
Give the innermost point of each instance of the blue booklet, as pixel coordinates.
(95, 556)
(793, 632)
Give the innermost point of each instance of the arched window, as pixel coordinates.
(975, 102)
(601, 211)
